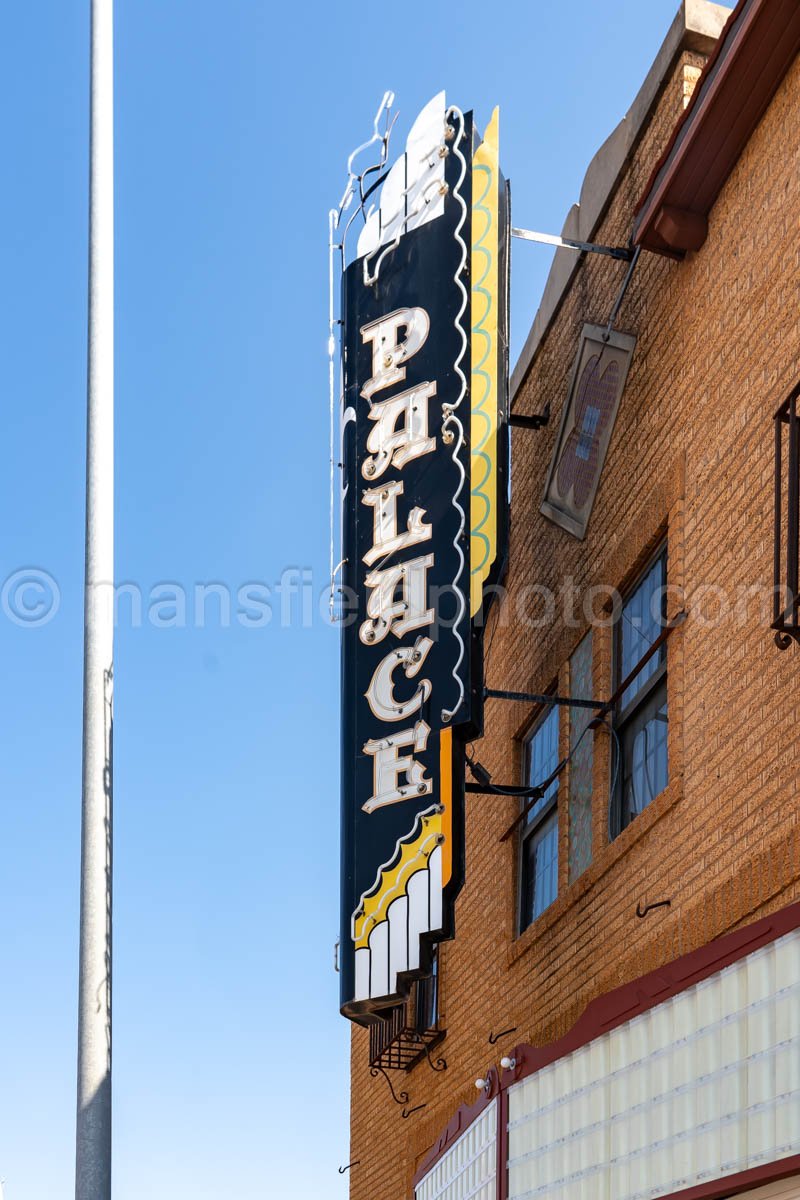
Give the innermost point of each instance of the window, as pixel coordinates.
(640, 720)
(426, 1002)
(539, 867)
(786, 614)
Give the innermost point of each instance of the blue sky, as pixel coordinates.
(233, 125)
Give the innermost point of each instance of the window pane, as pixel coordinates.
(542, 755)
(428, 998)
(539, 870)
(640, 623)
(644, 755)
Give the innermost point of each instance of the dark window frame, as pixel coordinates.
(648, 699)
(426, 997)
(786, 548)
(533, 826)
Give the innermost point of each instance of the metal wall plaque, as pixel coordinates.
(424, 364)
(596, 387)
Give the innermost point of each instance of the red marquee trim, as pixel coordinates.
(624, 1003)
(617, 1008)
(743, 1181)
(459, 1123)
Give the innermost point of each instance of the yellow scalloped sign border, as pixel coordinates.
(411, 857)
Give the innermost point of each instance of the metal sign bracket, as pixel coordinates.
(538, 421)
(623, 253)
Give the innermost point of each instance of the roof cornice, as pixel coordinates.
(757, 47)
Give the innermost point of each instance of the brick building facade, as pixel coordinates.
(689, 471)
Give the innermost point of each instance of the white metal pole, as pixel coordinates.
(93, 1135)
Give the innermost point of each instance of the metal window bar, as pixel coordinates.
(488, 789)
(400, 1038)
(786, 588)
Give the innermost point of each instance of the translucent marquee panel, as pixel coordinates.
(581, 765)
(705, 1085)
(468, 1170)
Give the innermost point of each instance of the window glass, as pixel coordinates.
(645, 769)
(542, 754)
(641, 764)
(428, 997)
(640, 623)
(540, 869)
(539, 866)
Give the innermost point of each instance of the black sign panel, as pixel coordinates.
(406, 668)
(424, 445)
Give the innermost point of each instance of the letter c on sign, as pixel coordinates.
(380, 693)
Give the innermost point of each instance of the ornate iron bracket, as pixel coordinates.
(402, 1099)
(409, 1112)
(494, 1038)
(642, 911)
(439, 1065)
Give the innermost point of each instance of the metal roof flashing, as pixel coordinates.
(697, 26)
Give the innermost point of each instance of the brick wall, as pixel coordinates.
(692, 454)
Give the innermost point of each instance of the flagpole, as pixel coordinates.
(93, 1130)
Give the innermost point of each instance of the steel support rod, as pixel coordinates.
(542, 698)
(548, 239)
(625, 284)
(538, 421)
(93, 1129)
